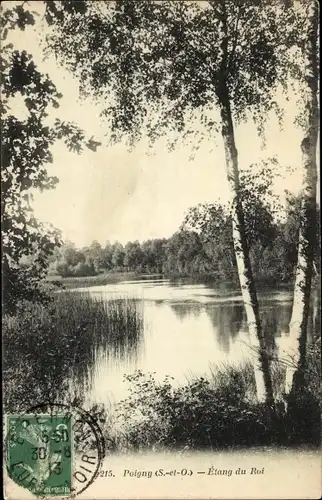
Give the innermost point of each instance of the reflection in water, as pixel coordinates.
(275, 319)
(187, 329)
(227, 322)
(183, 310)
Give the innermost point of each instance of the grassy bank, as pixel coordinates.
(87, 281)
(43, 345)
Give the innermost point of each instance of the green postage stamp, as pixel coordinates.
(54, 450)
(39, 453)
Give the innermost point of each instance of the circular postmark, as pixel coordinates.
(54, 449)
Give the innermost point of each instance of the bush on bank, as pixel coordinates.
(216, 413)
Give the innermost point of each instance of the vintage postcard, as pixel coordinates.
(161, 249)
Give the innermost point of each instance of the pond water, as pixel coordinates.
(188, 329)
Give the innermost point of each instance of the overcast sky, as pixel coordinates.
(116, 195)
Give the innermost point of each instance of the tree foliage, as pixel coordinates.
(26, 153)
(159, 66)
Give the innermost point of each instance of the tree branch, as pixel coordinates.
(232, 54)
(219, 15)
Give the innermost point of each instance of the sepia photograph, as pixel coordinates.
(161, 272)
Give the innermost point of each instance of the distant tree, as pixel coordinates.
(69, 259)
(185, 255)
(148, 256)
(71, 255)
(133, 257)
(94, 255)
(118, 255)
(159, 249)
(107, 253)
(153, 255)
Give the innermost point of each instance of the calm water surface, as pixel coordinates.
(188, 329)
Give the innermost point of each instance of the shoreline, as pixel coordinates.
(118, 277)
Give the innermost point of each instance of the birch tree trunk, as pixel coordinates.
(307, 233)
(316, 307)
(264, 386)
(314, 327)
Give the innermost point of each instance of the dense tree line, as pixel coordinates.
(202, 247)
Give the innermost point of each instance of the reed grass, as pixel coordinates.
(44, 344)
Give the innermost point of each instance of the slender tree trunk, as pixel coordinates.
(307, 233)
(263, 378)
(316, 306)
